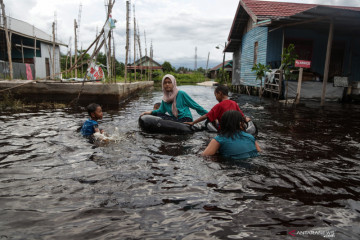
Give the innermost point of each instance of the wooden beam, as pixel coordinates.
(75, 27)
(327, 61)
(298, 92)
(8, 41)
(299, 23)
(22, 51)
(35, 57)
(29, 47)
(53, 57)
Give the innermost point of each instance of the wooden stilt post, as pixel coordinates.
(297, 100)
(66, 61)
(327, 61)
(114, 59)
(134, 44)
(147, 67)
(71, 72)
(22, 51)
(34, 53)
(140, 52)
(8, 41)
(280, 83)
(75, 26)
(127, 39)
(53, 57)
(82, 66)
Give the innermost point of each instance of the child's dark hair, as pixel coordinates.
(222, 89)
(232, 122)
(157, 105)
(92, 108)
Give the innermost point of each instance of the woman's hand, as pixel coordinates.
(146, 113)
(190, 123)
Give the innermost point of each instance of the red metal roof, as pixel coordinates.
(281, 9)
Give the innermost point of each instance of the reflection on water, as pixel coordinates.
(55, 184)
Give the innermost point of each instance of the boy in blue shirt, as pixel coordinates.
(91, 126)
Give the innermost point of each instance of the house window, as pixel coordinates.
(256, 47)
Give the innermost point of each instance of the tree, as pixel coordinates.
(288, 60)
(167, 67)
(182, 70)
(200, 69)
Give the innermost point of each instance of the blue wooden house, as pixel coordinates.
(328, 36)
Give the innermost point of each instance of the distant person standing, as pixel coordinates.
(176, 103)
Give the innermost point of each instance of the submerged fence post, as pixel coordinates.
(327, 61)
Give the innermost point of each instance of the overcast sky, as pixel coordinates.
(175, 27)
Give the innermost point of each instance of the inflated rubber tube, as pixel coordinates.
(155, 124)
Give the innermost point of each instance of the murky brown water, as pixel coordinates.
(56, 185)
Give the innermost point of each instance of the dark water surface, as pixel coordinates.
(56, 185)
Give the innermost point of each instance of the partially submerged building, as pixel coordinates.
(262, 29)
(31, 51)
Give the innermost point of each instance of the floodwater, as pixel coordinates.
(56, 185)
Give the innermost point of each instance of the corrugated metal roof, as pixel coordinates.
(27, 30)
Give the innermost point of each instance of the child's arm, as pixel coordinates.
(212, 148)
(146, 113)
(257, 146)
(200, 119)
(96, 129)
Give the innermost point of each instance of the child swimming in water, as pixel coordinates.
(157, 106)
(91, 125)
(233, 141)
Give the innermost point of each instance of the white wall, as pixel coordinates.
(40, 66)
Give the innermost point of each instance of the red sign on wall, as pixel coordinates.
(302, 63)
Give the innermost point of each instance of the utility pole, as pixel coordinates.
(195, 67)
(151, 59)
(75, 32)
(207, 64)
(223, 69)
(127, 38)
(146, 75)
(140, 52)
(53, 57)
(8, 43)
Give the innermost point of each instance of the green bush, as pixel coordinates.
(181, 78)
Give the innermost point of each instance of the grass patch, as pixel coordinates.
(9, 103)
